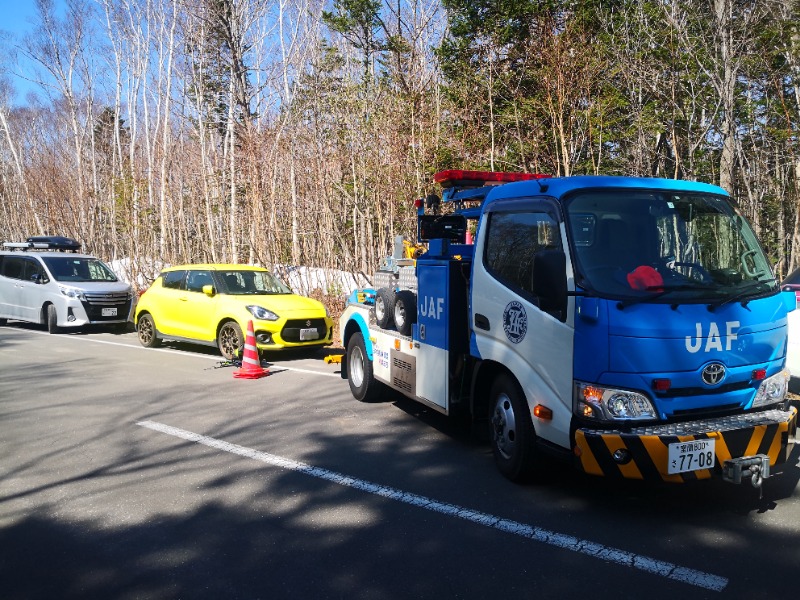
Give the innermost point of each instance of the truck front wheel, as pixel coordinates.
(513, 436)
(359, 371)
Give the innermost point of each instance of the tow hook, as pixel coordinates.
(755, 467)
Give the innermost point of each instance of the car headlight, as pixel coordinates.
(772, 390)
(261, 313)
(611, 404)
(71, 292)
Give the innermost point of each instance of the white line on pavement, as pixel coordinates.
(179, 352)
(567, 542)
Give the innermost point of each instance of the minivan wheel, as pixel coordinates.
(52, 319)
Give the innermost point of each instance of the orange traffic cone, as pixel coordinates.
(251, 365)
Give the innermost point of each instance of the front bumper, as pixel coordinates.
(771, 433)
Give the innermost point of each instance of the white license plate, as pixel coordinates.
(109, 312)
(693, 455)
(308, 334)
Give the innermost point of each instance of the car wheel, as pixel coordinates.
(513, 435)
(359, 371)
(384, 308)
(52, 319)
(230, 340)
(3, 322)
(405, 311)
(147, 333)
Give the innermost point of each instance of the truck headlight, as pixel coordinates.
(611, 404)
(261, 313)
(71, 292)
(772, 390)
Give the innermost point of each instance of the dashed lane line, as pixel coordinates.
(661, 568)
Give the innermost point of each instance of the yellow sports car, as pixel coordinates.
(212, 304)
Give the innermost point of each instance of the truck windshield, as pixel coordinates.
(78, 269)
(665, 247)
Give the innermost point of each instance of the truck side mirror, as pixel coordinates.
(550, 282)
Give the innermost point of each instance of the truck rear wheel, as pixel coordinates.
(513, 436)
(405, 311)
(384, 308)
(363, 385)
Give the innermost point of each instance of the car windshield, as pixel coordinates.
(666, 247)
(247, 282)
(76, 268)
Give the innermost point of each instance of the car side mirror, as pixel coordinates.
(208, 290)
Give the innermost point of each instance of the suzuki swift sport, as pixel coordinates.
(212, 304)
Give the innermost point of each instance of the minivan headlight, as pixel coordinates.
(611, 404)
(261, 313)
(71, 292)
(772, 390)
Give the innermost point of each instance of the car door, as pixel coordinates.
(31, 291)
(165, 305)
(11, 270)
(197, 319)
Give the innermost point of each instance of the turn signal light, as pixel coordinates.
(542, 412)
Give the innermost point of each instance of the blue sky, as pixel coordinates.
(15, 20)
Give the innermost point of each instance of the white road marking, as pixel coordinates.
(180, 353)
(567, 542)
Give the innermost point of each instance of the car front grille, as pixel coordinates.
(291, 331)
(97, 301)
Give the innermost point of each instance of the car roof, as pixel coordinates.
(214, 267)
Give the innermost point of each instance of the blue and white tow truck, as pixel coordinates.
(630, 325)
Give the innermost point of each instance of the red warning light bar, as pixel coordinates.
(455, 177)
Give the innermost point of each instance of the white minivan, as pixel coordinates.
(46, 280)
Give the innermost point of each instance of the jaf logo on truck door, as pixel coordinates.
(515, 322)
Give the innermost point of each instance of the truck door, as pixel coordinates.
(510, 324)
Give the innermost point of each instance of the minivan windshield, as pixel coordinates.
(78, 269)
(665, 247)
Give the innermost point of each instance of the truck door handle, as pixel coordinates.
(481, 322)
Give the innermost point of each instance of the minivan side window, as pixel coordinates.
(13, 267)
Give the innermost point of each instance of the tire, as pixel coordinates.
(512, 433)
(384, 308)
(230, 340)
(405, 311)
(363, 385)
(52, 319)
(147, 333)
(3, 322)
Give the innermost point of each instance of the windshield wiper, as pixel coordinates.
(659, 291)
(743, 296)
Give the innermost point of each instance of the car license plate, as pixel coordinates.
(308, 334)
(693, 455)
(109, 312)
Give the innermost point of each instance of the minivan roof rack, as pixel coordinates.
(46, 242)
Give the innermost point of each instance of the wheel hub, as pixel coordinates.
(504, 426)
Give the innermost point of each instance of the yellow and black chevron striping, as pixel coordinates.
(644, 450)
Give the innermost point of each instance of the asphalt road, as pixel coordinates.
(138, 473)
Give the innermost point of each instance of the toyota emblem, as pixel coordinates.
(713, 373)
